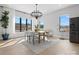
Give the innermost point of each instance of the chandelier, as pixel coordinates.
(36, 13)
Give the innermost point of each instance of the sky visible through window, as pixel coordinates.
(17, 20)
(64, 20)
(23, 20)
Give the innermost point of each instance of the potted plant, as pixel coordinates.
(4, 23)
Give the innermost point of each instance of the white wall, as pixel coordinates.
(0, 25)
(52, 19)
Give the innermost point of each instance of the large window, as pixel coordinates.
(41, 25)
(64, 23)
(29, 24)
(22, 24)
(17, 23)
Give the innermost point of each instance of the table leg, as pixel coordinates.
(43, 36)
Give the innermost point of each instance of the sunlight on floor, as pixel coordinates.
(11, 42)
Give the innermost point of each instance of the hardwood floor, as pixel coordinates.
(64, 47)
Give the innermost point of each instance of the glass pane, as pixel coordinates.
(64, 20)
(64, 23)
(29, 24)
(23, 24)
(17, 23)
(41, 25)
(29, 21)
(23, 21)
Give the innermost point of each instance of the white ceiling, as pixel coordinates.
(44, 8)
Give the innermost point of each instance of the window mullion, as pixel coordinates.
(20, 24)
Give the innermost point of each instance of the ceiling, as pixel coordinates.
(44, 8)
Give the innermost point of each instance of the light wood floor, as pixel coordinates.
(64, 47)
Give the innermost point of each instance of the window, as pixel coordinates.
(64, 23)
(22, 24)
(41, 25)
(17, 23)
(29, 24)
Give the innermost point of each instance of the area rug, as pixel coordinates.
(37, 48)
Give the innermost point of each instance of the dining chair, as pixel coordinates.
(31, 36)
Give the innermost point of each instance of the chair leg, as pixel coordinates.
(44, 37)
(25, 37)
(33, 40)
(29, 39)
(39, 39)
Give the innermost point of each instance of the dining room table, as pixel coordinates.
(39, 35)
